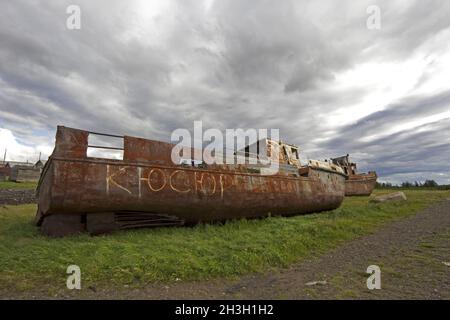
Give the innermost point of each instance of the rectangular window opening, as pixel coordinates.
(105, 146)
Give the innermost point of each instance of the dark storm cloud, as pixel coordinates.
(421, 149)
(249, 64)
(377, 123)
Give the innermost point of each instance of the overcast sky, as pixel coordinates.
(310, 68)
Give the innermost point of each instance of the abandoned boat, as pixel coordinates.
(78, 193)
(356, 184)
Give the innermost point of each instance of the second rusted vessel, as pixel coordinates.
(357, 184)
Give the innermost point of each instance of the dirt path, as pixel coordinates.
(411, 253)
(17, 196)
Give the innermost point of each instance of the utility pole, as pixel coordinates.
(4, 157)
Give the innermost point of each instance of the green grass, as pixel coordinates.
(17, 185)
(28, 259)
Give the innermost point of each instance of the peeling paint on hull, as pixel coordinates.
(138, 193)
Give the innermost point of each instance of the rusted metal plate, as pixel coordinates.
(102, 222)
(146, 182)
(360, 184)
(63, 224)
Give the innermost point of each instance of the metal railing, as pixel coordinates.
(105, 135)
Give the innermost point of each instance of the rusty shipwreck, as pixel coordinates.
(356, 184)
(77, 193)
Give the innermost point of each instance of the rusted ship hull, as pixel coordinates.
(360, 184)
(78, 194)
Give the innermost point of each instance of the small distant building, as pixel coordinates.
(5, 169)
(39, 165)
(20, 163)
(26, 173)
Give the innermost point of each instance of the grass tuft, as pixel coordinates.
(17, 185)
